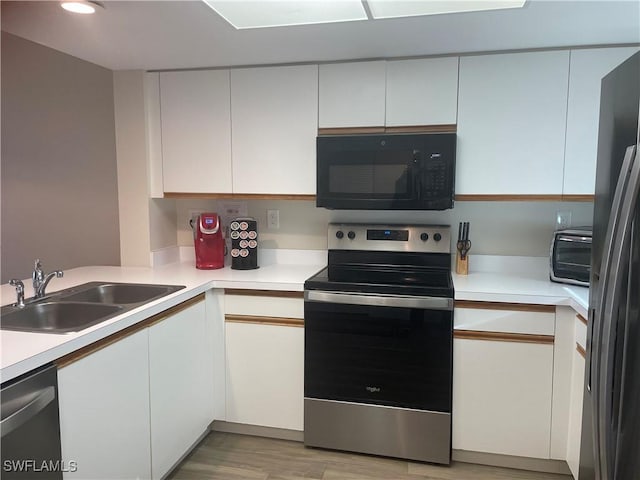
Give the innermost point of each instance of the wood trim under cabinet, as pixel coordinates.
(522, 198)
(504, 337)
(116, 337)
(259, 320)
(448, 128)
(518, 307)
(239, 196)
(581, 318)
(578, 198)
(264, 293)
(581, 350)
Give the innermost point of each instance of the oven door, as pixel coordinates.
(381, 350)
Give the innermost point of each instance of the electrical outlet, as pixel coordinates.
(192, 215)
(563, 220)
(273, 219)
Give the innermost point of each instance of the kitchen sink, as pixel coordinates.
(58, 317)
(121, 293)
(80, 307)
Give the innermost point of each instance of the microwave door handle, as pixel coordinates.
(416, 171)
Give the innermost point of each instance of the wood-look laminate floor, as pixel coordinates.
(230, 456)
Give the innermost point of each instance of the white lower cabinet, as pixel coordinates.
(502, 383)
(575, 414)
(265, 375)
(180, 384)
(104, 411)
(264, 348)
(133, 408)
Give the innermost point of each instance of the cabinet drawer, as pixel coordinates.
(581, 331)
(490, 317)
(265, 304)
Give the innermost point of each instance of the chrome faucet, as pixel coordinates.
(40, 280)
(19, 291)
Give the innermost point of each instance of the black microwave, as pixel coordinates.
(571, 256)
(386, 172)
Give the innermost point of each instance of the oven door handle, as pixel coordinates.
(378, 300)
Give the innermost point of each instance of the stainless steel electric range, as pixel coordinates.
(378, 343)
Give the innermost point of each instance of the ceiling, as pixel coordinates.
(154, 35)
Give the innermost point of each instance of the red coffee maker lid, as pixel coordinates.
(209, 223)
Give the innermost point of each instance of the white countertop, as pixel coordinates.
(519, 280)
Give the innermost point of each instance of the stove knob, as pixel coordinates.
(437, 237)
(339, 234)
(424, 237)
(351, 235)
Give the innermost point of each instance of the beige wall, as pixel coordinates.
(497, 228)
(59, 182)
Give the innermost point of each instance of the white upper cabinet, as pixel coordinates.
(511, 123)
(422, 92)
(588, 67)
(274, 123)
(352, 94)
(196, 131)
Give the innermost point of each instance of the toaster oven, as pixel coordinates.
(570, 260)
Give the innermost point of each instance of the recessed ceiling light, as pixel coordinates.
(279, 13)
(81, 6)
(413, 8)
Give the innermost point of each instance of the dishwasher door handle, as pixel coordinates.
(43, 398)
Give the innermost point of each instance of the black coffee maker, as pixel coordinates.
(244, 243)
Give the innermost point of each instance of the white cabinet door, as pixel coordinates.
(511, 123)
(352, 94)
(275, 124)
(422, 91)
(265, 375)
(104, 411)
(588, 67)
(181, 385)
(575, 414)
(502, 397)
(196, 131)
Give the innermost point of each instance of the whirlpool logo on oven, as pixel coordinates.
(373, 389)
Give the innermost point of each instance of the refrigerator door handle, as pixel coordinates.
(602, 295)
(607, 340)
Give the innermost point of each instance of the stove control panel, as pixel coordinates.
(395, 238)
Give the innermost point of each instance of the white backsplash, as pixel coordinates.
(497, 228)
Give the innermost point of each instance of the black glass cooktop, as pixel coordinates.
(384, 279)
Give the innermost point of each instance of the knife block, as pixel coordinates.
(462, 264)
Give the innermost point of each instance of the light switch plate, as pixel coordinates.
(563, 220)
(273, 219)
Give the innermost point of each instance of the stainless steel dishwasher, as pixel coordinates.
(30, 427)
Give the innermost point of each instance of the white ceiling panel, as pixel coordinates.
(188, 34)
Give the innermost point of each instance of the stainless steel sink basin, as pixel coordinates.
(58, 317)
(80, 307)
(121, 293)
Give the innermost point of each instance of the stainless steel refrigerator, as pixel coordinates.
(610, 448)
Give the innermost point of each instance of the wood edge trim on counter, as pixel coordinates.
(259, 320)
(445, 128)
(116, 337)
(240, 196)
(518, 307)
(264, 293)
(481, 197)
(581, 350)
(504, 337)
(581, 318)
